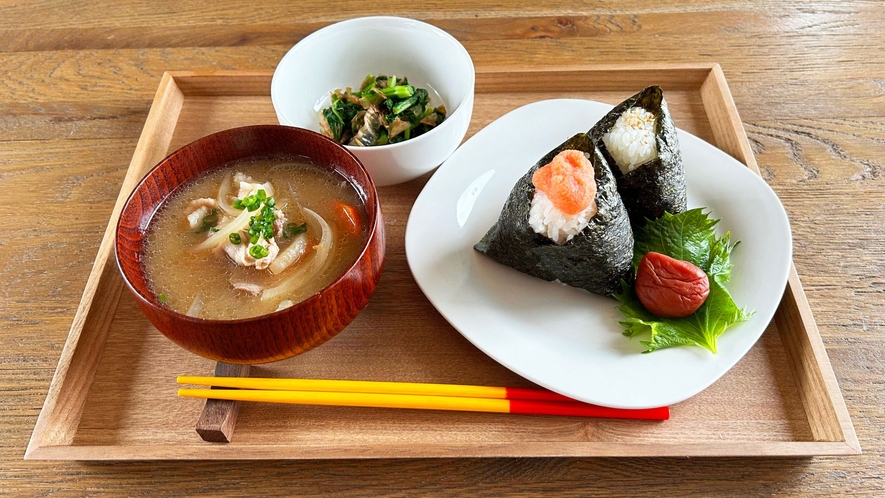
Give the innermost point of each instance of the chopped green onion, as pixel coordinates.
(235, 238)
(162, 298)
(261, 225)
(238, 204)
(261, 195)
(258, 252)
(209, 221)
(292, 230)
(213, 229)
(251, 202)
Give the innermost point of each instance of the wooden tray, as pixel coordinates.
(113, 394)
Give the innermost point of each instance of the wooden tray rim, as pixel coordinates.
(819, 392)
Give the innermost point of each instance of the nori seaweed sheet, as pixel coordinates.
(597, 259)
(658, 185)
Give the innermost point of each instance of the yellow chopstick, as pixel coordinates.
(373, 387)
(354, 399)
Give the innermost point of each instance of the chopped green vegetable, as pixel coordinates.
(688, 236)
(209, 221)
(368, 84)
(258, 252)
(382, 138)
(162, 298)
(292, 230)
(384, 110)
(235, 238)
(405, 104)
(400, 91)
(238, 204)
(339, 117)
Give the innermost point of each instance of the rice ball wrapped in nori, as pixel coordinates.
(638, 140)
(595, 254)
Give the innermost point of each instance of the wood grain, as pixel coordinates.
(140, 427)
(63, 412)
(218, 420)
(807, 78)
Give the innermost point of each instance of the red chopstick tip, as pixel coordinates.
(574, 409)
(535, 394)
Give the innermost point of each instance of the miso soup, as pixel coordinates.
(253, 237)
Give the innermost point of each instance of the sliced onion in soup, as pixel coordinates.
(290, 255)
(315, 267)
(195, 307)
(223, 195)
(223, 233)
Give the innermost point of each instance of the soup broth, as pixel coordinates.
(201, 259)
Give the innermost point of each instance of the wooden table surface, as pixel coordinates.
(807, 77)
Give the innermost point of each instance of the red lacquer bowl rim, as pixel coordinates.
(371, 211)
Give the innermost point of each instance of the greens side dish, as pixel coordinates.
(385, 110)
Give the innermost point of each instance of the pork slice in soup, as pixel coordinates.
(253, 237)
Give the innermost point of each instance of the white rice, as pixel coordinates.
(549, 221)
(631, 141)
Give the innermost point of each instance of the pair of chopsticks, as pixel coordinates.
(406, 395)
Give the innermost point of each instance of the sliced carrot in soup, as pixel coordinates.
(348, 216)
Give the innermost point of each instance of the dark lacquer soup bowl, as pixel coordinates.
(280, 334)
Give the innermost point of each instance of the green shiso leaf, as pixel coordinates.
(688, 236)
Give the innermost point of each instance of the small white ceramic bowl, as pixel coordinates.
(341, 55)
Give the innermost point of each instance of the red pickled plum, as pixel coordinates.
(669, 287)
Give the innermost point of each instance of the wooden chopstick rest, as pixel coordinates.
(219, 417)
